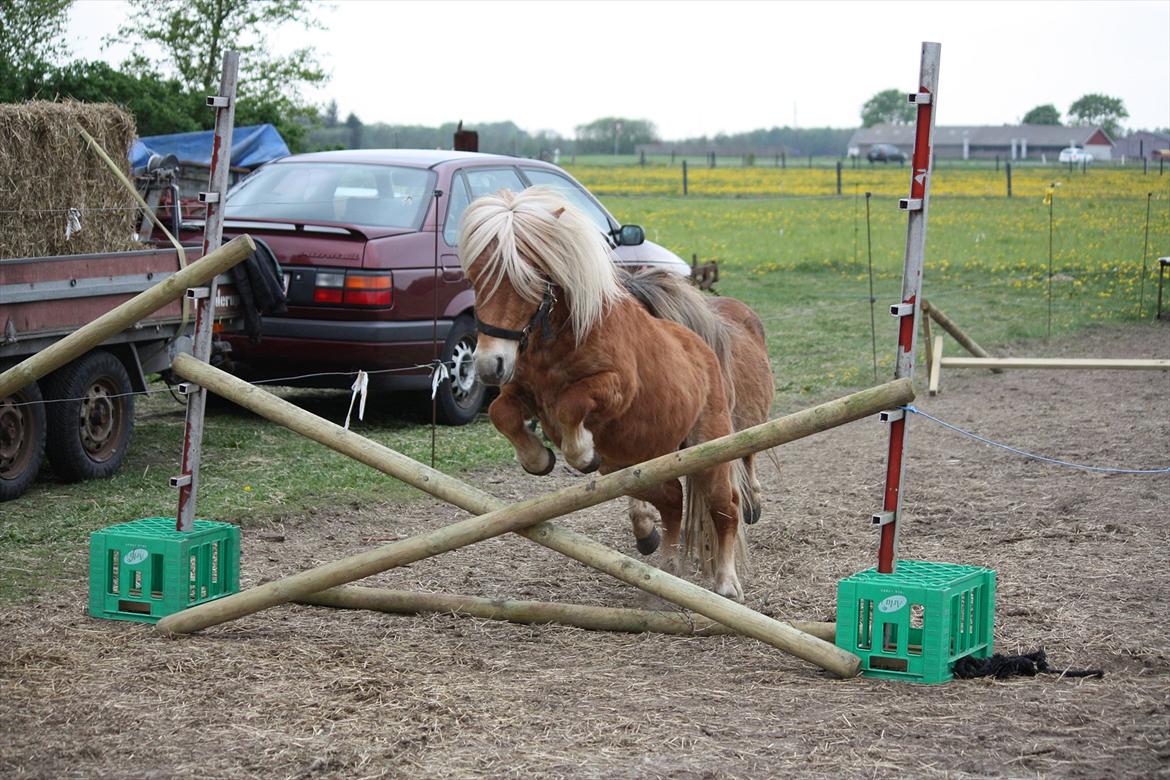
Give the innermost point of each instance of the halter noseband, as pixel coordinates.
(539, 319)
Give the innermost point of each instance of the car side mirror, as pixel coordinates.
(631, 235)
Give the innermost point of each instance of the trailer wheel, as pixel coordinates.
(22, 440)
(90, 430)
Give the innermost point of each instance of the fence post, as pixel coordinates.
(838, 177)
(997, 163)
(810, 161)
(642, 157)
(672, 157)
(1007, 166)
(684, 177)
(783, 159)
(1145, 166)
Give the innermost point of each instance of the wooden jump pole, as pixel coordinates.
(124, 316)
(1068, 363)
(591, 618)
(498, 518)
(947, 324)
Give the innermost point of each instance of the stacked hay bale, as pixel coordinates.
(57, 197)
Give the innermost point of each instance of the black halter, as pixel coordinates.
(539, 319)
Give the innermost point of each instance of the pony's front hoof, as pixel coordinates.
(552, 462)
(649, 543)
(592, 465)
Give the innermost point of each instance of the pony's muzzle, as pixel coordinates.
(495, 360)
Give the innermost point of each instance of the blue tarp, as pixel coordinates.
(251, 147)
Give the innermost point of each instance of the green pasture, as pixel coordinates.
(801, 263)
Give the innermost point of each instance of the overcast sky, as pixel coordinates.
(705, 67)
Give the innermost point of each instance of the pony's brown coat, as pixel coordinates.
(630, 388)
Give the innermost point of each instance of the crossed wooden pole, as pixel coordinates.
(531, 518)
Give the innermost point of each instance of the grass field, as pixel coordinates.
(801, 262)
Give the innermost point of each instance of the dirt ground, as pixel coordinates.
(303, 692)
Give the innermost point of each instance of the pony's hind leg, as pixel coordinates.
(667, 498)
(714, 487)
(645, 522)
(509, 414)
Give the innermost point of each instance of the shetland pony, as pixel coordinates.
(617, 373)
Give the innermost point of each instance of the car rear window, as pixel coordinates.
(376, 195)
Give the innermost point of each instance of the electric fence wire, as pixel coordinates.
(1031, 455)
(256, 383)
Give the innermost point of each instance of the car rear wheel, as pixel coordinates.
(22, 440)
(91, 427)
(460, 398)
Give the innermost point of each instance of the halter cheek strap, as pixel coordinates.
(540, 318)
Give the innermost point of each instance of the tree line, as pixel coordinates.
(890, 106)
(166, 94)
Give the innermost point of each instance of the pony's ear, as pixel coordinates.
(558, 212)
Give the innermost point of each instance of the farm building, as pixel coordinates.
(1141, 144)
(1011, 142)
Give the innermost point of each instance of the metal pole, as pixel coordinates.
(221, 151)
(1052, 198)
(907, 311)
(872, 298)
(1145, 249)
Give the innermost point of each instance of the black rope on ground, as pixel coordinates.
(1028, 665)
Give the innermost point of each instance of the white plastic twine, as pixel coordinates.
(360, 386)
(72, 223)
(440, 373)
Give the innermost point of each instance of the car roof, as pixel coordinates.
(418, 158)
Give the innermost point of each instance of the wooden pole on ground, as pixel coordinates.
(124, 316)
(947, 324)
(1071, 363)
(498, 518)
(591, 618)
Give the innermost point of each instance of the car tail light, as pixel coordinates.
(355, 288)
(328, 288)
(369, 289)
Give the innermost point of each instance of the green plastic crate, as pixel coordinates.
(146, 570)
(915, 623)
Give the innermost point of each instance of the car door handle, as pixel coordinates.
(452, 274)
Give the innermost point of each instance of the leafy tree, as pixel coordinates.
(599, 135)
(1043, 115)
(354, 127)
(1095, 109)
(889, 106)
(329, 117)
(194, 34)
(32, 35)
(159, 105)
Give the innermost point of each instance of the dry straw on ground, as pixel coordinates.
(47, 170)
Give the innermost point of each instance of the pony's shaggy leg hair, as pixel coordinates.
(752, 496)
(599, 391)
(510, 414)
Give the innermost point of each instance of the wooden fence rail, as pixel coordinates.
(530, 517)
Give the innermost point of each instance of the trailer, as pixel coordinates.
(81, 416)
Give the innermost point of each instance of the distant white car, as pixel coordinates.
(1074, 154)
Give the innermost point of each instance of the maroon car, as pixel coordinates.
(367, 240)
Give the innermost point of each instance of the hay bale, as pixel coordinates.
(47, 169)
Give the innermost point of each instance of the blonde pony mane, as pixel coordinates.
(534, 234)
